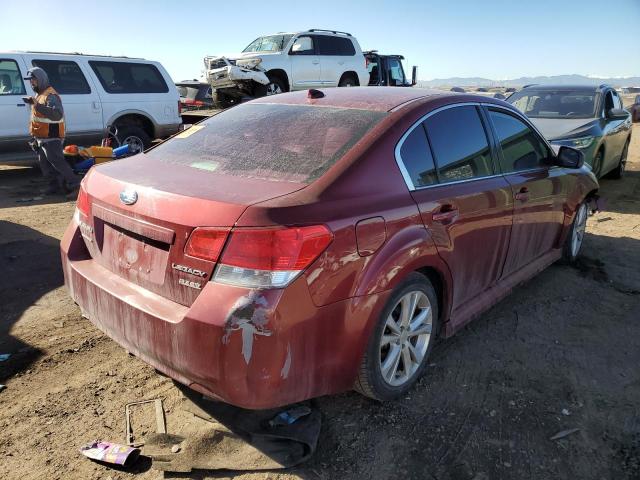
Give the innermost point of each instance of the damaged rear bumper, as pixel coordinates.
(252, 349)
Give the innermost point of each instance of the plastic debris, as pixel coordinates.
(564, 433)
(290, 416)
(566, 412)
(110, 452)
(4, 356)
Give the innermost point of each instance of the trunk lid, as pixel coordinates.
(144, 242)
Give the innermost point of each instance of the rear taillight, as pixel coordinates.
(270, 257)
(206, 243)
(179, 107)
(82, 204)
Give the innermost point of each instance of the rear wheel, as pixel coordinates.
(619, 171)
(348, 81)
(573, 244)
(134, 136)
(401, 341)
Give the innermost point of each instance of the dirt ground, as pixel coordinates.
(562, 352)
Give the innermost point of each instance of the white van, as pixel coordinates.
(135, 95)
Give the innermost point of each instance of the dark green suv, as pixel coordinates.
(590, 118)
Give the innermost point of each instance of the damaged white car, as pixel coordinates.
(287, 61)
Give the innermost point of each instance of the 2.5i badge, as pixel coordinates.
(190, 284)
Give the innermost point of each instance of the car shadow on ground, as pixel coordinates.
(560, 353)
(620, 196)
(30, 266)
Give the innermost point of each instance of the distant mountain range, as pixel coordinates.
(519, 82)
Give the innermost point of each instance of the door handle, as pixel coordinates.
(447, 213)
(20, 104)
(315, 62)
(522, 195)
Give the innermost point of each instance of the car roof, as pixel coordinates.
(381, 99)
(586, 88)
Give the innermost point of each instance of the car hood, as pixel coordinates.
(239, 56)
(557, 128)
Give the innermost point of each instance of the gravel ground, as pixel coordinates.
(561, 352)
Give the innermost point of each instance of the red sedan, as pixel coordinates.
(311, 243)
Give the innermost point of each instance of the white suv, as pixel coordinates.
(135, 95)
(287, 61)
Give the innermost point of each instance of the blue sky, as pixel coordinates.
(497, 39)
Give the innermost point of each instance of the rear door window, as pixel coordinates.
(129, 77)
(337, 46)
(521, 147)
(459, 144)
(11, 82)
(417, 159)
(65, 76)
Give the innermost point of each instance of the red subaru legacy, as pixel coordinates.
(315, 242)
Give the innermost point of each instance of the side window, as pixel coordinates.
(459, 144)
(129, 77)
(608, 102)
(521, 147)
(617, 103)
(395, 71)
(64, 76)
(303, 46)
(335, 46)
(10, 78)
(416, 157)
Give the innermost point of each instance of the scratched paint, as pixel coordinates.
(284, 373)
(249, 315)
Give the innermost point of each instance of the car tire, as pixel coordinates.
(618, 172)
(596, 166)
(573, 243)
(275, 86)
(221, 99)
(380, 376)
(133, 135)
(348, 81)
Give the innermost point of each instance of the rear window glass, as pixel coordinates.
(291, 143)
(64, 76)
(128, 77)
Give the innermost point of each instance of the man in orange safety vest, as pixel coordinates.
(47, 127)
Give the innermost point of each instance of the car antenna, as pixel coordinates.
(313, 93)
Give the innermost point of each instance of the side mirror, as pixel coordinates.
(617, 114)
(414, 75)
(569, 157)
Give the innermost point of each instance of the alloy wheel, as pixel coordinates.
(405, 338)
(136, 145)
(273, 89)
(578, 230)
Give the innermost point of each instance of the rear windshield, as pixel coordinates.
(291, 143)
(561, 103)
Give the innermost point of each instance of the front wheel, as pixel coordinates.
(619, 171)
(274, 87)
(596, 166)
(573, 244)
(401, 341)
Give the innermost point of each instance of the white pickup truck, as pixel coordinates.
(285, 62)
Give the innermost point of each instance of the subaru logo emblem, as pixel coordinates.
(128, 197)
